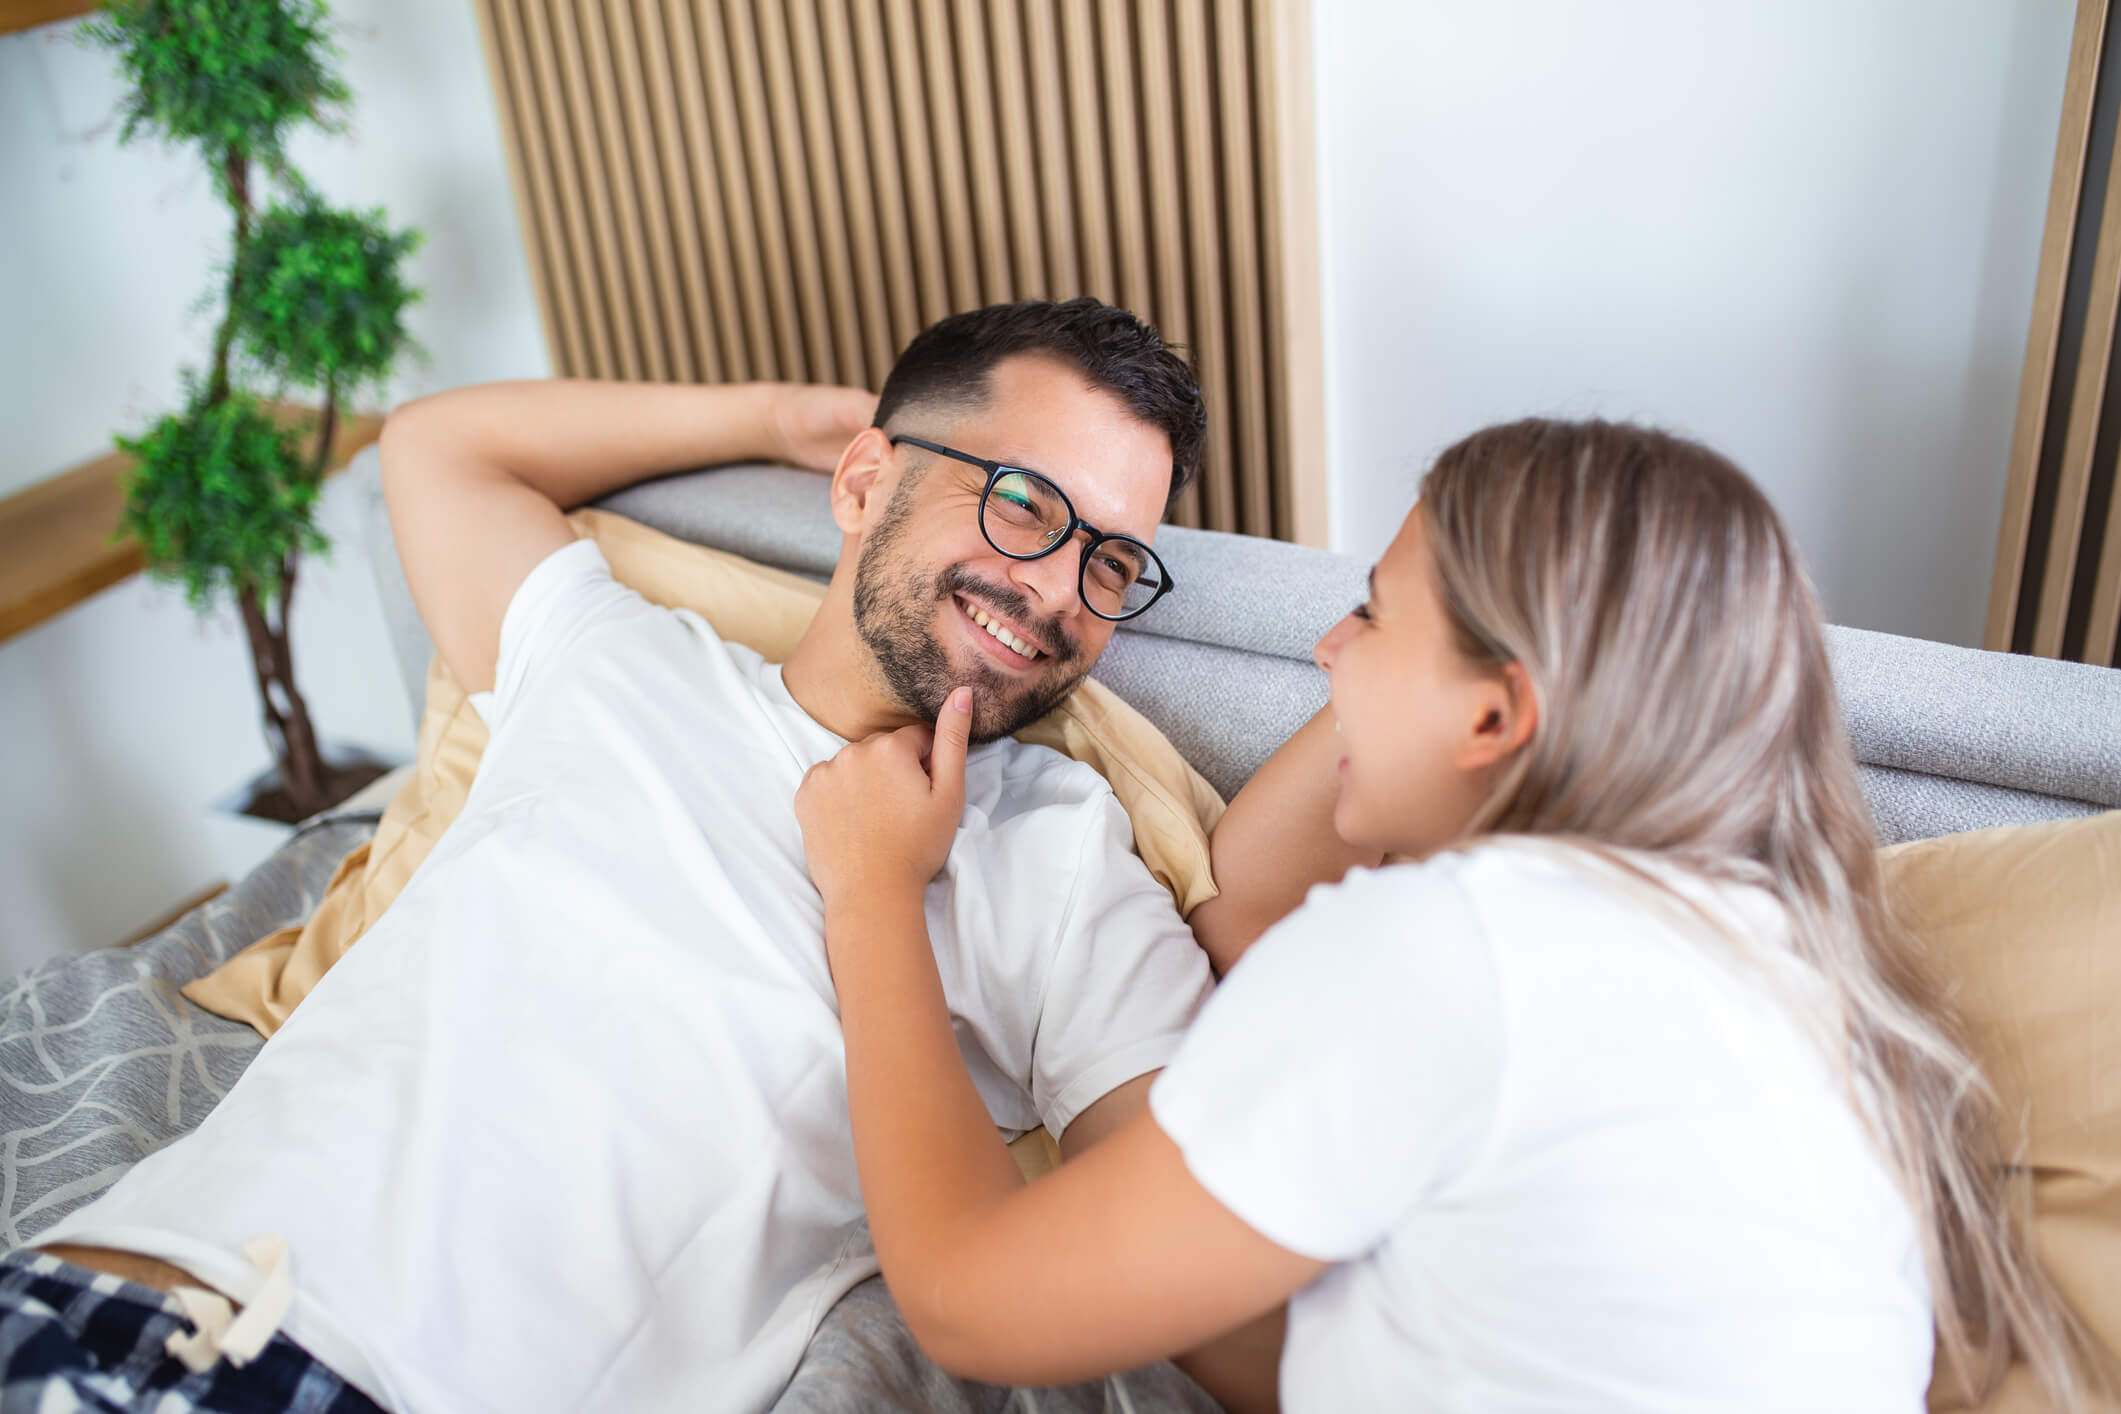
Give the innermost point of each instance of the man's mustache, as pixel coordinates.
(1060, 646)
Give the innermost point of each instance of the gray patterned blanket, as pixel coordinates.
(103, 1061)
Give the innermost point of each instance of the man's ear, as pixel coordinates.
(1505, 713)
(858, 478)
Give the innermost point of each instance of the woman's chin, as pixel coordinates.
(1348, 820)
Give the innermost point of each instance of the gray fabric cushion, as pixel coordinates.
(2000, 719)
(1951, 738)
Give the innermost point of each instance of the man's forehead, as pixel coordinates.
(1046, 417)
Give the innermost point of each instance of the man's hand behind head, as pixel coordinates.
(815, 423)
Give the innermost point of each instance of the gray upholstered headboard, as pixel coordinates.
(1950, 738)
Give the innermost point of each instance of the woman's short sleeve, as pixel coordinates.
(1351, 1066)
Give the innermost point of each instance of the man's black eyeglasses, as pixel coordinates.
(1026, 517)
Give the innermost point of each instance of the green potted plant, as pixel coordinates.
(223, 497)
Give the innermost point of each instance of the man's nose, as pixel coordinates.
(1052, 580)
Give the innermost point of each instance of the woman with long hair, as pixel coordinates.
(1612, 1085)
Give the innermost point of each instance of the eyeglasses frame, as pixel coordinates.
(995, 471)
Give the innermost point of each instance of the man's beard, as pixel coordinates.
(894, 612)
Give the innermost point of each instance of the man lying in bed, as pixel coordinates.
(568, 1129)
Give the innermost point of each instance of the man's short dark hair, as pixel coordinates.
(948, 363)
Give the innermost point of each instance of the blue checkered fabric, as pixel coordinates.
(72, 1339)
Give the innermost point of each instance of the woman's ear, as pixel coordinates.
(855, 481)
(1505, 714)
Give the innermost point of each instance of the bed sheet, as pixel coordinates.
(103, 1061)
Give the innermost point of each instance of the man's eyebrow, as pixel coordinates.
(1373, 581)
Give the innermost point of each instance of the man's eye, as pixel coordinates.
(1361, 611)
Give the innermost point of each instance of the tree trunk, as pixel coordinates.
(235, 168)
(327, 431)
(287, 725)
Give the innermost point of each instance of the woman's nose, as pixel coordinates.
(1328, 647)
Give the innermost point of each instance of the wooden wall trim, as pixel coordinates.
(730, 189)
(2031, 443)
(28, 14)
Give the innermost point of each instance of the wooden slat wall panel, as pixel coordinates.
(2056, 590)
(727, 189)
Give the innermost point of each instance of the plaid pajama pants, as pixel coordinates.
(72, 1339)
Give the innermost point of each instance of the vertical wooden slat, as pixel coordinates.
(903, 156)
(544, 238)
(756, 127)
(1050, 127)
(2102, 640)
(894, 176)
(595, 186)
(937, 78)
(1247, 331)
(866, 196)
(634, 271)
(649, 143)
(830, 194)
(1295, 328)
(560, 127)
(800, 225)
(2043, 339)
(2087, 401)
(1019, 187)
(669, 58)
(1086, 128)
(1167, 216)
(974, 79)
(1195, 61)
(1130, 222)
(747, 290)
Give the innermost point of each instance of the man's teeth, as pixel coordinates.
(994, 627)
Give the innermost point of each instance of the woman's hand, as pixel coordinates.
(878, 818)
(811, 424)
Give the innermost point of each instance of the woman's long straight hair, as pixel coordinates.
(1686, 708)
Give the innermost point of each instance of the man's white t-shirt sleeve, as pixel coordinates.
(1127, 977)
(564, 593)
(1349, 1067)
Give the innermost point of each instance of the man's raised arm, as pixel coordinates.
(478, 480)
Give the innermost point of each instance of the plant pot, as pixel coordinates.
(240, 838)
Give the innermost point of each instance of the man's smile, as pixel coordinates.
(1002, 639)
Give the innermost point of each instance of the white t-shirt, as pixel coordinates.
(1568, 1151)
(568, 1129)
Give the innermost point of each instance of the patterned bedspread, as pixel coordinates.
(102, 1062)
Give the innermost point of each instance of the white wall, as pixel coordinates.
(1805, 231)
(122, 718)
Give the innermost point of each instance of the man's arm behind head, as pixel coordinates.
(478, 479)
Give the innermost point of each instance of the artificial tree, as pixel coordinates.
(223, 497)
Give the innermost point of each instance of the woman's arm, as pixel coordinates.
(1118, 1258)
(1274, 842)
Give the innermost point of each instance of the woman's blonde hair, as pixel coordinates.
(1686, 708)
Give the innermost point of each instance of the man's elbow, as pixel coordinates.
(408, 428)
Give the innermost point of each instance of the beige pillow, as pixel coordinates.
(1171, 806)
(2024, 926)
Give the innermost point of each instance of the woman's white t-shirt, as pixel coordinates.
(1569, 1149)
